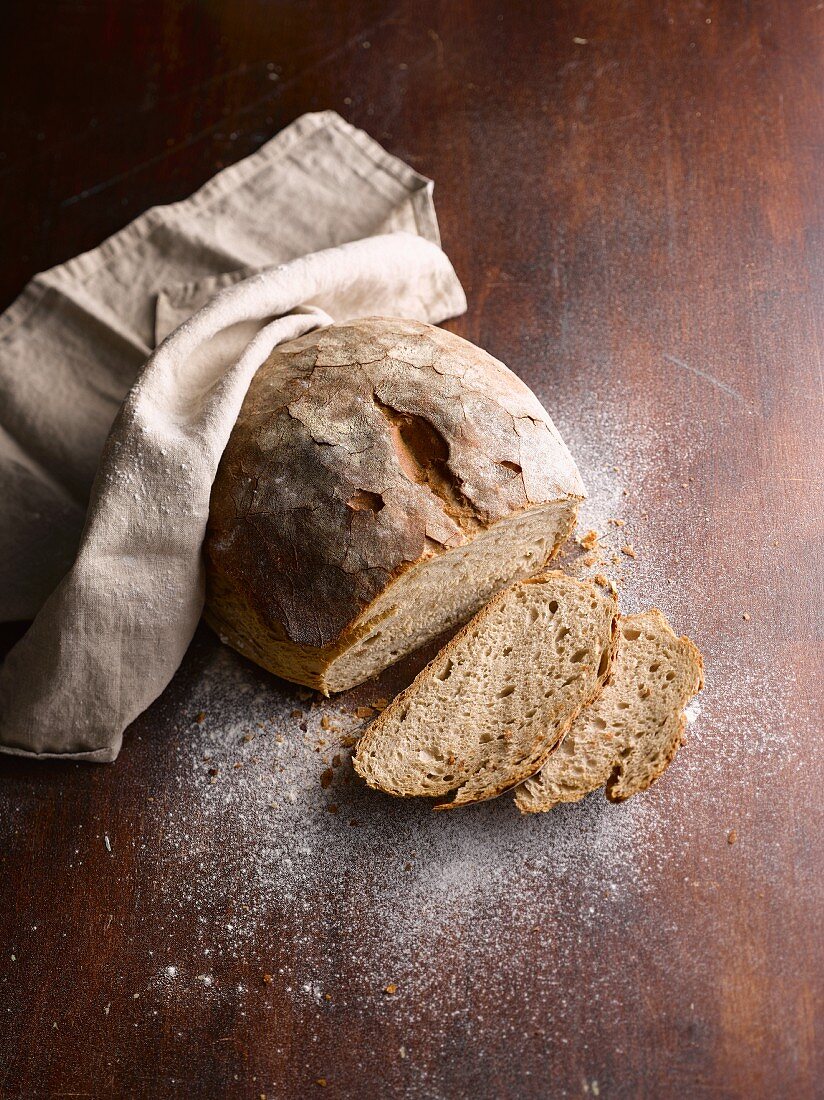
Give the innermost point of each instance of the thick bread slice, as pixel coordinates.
(629, 735)
(486, 713)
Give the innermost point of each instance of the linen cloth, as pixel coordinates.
(104, 501)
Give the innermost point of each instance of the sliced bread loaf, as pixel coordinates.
(384, 479)
(629, 735)
(486, 713)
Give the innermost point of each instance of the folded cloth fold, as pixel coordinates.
(110, 636)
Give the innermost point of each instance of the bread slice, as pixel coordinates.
(630, 734)
(486, 713)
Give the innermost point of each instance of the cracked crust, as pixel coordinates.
(361, 451)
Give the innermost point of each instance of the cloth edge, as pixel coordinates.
(86, 263)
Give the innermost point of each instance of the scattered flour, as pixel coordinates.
(284, 845)
(288, 871)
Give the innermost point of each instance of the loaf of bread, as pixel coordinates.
(487, 712)
(627, 738)
(384, 479)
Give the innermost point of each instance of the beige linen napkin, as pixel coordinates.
(109, 637)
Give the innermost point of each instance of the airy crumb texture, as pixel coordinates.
(486, 713)
(627, 737)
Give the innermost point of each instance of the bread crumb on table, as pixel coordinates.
(629, 550)
(268, 979)
(605, 582)
(391, 989)
(589, 541)
(732, 836)
(746, 616)
(365, 712)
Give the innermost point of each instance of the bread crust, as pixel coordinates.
(361, 450)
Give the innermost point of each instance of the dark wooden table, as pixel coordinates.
(631, 193)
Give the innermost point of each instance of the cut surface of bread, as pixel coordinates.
(433, 596)
(383, 480)
(625, 739)
(486, 713)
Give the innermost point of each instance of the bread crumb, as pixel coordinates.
(629, 550)
(590, 559)
(391, 989)
(732, 836)
(746, 616)
(321, 1081)
(325, 722)
(297, 713)
(268, 979)
(381, 704)
(200, 717)
(618, 522)
(589, 541)
(326, 778)
(605, 582)
(365, 712)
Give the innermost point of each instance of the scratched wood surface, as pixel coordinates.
(631, 193)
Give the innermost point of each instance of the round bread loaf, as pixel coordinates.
(383, 480)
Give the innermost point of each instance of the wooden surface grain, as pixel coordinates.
(632, 195)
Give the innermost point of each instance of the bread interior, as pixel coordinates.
(447, 588)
